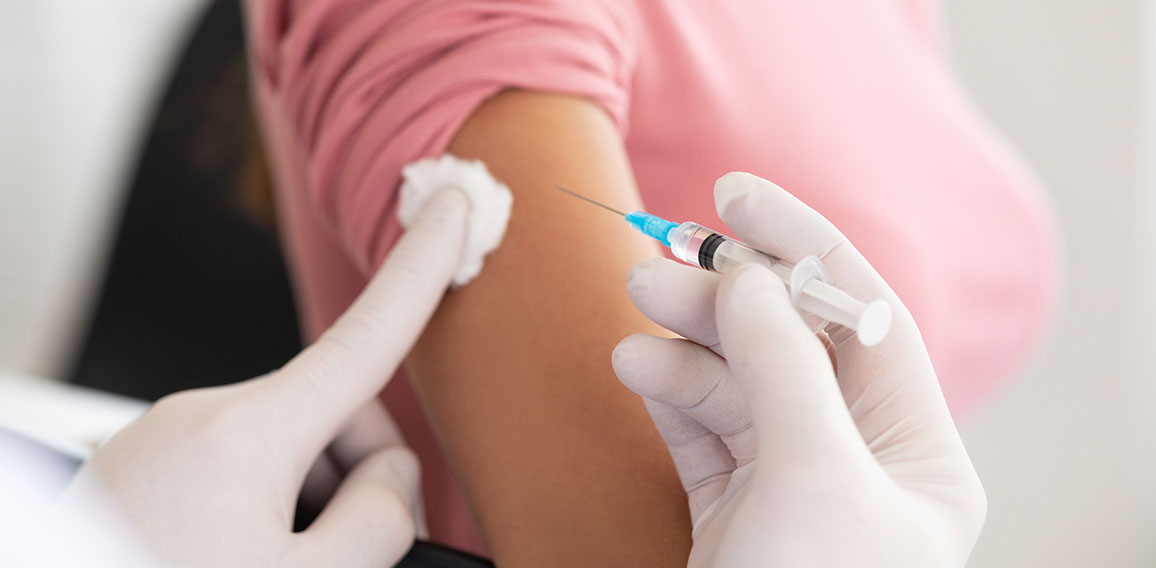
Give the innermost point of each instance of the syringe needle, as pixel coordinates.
(588, 200)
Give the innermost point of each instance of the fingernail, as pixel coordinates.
(622, 354)
(729, 188)
(639, 278)
(448, 198)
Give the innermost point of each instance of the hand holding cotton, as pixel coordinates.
(209, 477)
(490, 203)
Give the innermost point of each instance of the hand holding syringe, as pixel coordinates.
(699, 246)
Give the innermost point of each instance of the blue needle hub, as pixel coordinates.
(657, 227)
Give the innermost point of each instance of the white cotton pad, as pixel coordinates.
(490, 202)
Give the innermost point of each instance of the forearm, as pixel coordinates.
(561, 464)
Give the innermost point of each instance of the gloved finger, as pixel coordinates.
(782, 368)
(882, 384)
(692, 379)
(321, 482)
(314, 394)
(677, 297)
(681, 298)
(371, 429)
(703, 461)
(772, 220)
(367, 523)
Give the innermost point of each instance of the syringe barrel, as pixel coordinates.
(694, 244)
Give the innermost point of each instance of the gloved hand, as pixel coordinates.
(210, 477)
(785, 461)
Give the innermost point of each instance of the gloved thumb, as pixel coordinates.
(796, 407)
(369, 521)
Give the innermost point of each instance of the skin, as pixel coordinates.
(560, 463)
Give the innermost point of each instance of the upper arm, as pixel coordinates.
(560, 462)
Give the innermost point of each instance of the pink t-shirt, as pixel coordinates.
(851, 106)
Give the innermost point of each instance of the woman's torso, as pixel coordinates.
(848, 105)
(851, 107)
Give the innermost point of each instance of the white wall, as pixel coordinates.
(1066, 453)
(79, 80)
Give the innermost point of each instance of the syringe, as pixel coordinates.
(699, 246)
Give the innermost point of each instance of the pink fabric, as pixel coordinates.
(849, 105)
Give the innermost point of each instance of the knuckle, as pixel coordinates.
(224, 420)
(174, 403)
(221, 410)
(185, 404)
(203, 416)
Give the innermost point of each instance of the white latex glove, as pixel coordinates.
(210, 477)
(785, 463)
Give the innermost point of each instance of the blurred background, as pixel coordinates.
(1068, 453)
(112, 157)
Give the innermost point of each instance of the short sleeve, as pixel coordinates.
(368, 86)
